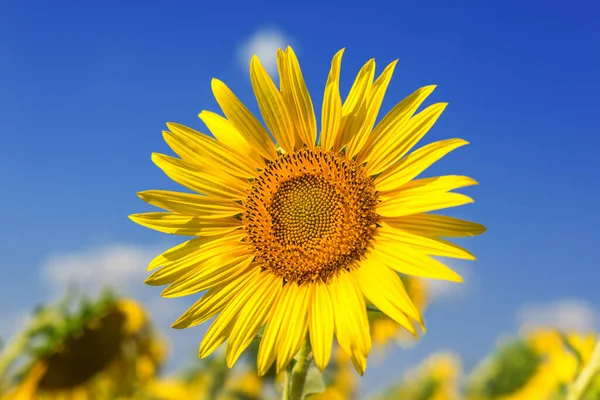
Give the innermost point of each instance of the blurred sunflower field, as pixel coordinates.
(107, 348)
(278, 200)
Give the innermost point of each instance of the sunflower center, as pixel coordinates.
(305, 210)
(310, 214)
(84, 355)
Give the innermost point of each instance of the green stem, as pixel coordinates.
(589, 371)
(287, 381)
(295, 377)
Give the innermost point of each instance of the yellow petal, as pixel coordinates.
(211, 274)
(355, 107)
(396, 143)
(410, 261)
(393, 121)
(294, 325)
(271, 106)
(331, 115)
(420, 203)
(359, 88)
(351, 323)
(415, 163)
(321, 324)
(212, 152)
(285, 88)
(216, 334)
(436, 184)
(243, 120)
(185, 225)
(184, 151)
(179, 251)
(267, 350)
(431, 246)
(373, 104)
(359, 361)
(201, 260)
(384, 288)
(252, 317)
(206, 254)
(213, 301)
(202, 182)
(203, 165)
(225, 132)
(424, 195)
(434, 225)
(222, 325)
(192, 204)
(304, 112)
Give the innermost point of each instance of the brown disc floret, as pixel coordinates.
(310, 215)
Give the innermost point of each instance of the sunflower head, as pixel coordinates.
(520, 369)
(564, 353)
(81, 346)
(515, 365)
(297, 226)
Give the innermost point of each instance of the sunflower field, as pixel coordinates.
(307, 235)
(108, 348)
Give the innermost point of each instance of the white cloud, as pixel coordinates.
(567, 314)
(264, 43)
(120, 266)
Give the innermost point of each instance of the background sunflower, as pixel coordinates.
(539, 365)
(83, 348)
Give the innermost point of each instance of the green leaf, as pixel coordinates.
(314, 382)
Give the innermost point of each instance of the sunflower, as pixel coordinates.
(293, 236)
(92, 352)
(564, 355)
(538, 366)
(435, 379)
(515, 371)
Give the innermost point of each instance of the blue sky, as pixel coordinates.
(85, 90)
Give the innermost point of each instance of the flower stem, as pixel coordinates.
(589, 371)
(295, 377)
